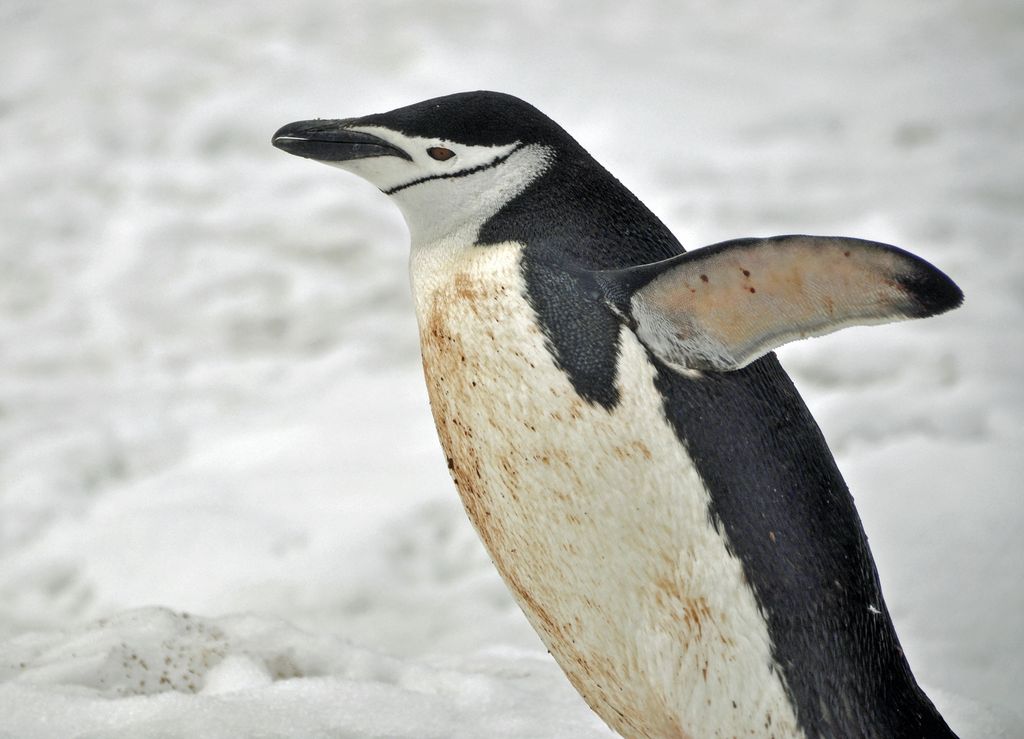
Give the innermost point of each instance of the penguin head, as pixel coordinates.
(449, 163)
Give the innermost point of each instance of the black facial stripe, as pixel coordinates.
(451, 175)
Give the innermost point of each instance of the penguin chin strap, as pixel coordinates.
(721, 307)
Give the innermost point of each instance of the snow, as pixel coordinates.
(216, 443)
(153, 672)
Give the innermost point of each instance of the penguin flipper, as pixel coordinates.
(721, 307)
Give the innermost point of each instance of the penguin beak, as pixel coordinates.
(332, 141)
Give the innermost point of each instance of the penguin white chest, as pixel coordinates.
(597, 520)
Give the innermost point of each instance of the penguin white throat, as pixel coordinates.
(448, 196)
(644, 475)
(452, 208)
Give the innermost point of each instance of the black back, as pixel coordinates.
(776, 492)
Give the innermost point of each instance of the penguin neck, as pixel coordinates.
(576, 212)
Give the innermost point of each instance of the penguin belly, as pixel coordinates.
(597, 520)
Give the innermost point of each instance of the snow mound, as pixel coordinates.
(155, 650)
(158, 673)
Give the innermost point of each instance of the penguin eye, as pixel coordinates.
(440, 153)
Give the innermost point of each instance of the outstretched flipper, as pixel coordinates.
(721, 307)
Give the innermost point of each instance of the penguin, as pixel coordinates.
(642, 471)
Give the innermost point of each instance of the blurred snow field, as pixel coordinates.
(223, 508)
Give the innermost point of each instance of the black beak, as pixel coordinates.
(331, 141)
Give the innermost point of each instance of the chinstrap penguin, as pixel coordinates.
(643, 473)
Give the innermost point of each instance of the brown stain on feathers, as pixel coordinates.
(486, 418)
(453, 373)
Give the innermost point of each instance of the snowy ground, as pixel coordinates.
(223, 510)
